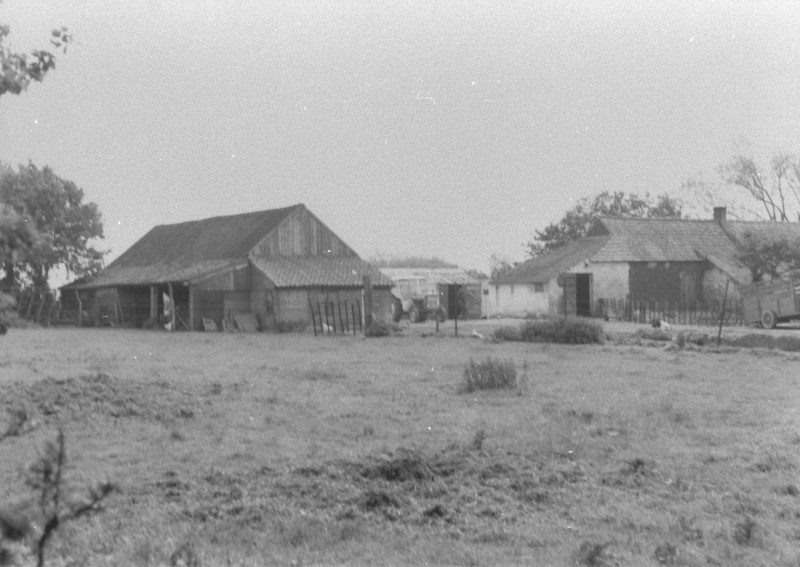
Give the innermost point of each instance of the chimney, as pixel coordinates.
(719, 214)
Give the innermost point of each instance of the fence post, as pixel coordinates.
(313, 318)
(353, 313)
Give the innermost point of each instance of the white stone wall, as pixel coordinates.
(609, 279)
(516, 300)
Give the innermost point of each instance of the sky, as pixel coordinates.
(430, 128)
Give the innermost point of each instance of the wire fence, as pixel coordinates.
(673, 312)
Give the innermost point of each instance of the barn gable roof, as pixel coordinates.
(194, 242)
(188, 251)
(320, 271)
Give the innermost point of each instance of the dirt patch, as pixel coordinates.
(99, 395)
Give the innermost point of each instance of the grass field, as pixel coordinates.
(294, 450)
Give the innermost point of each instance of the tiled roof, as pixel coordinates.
(769, 230)
(155, 274)
(194, 242)
(325, 271)
(661, 240)
(544, 268)
(437, 276)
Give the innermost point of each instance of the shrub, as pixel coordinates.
(562, 330)
(490, 374)
(507, 333)
(383, 328)
(791, 344)
(654, 335)
(753, 340)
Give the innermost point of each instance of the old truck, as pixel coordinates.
(417, 300)
(770, 303)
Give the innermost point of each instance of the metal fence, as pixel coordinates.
(673, 312)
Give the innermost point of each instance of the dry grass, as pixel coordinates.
(286, 449)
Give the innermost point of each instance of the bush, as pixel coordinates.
(382, 328)
(507, 333)
(490, 374)
(753, 340)
(562, 330)
(654, 335)
(787, 343)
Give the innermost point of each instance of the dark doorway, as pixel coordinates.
(454, 310)
(583, 294)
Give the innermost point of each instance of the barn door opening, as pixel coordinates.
(583, 294)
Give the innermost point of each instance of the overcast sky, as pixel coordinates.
(446, 128)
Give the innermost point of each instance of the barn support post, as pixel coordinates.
(80, 307)
(172, 306)
(313, 317)
(153, 303)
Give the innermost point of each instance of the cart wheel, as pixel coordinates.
(413, 314)
(768, 319)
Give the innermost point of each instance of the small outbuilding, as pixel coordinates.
(451, 285)
(276, 265)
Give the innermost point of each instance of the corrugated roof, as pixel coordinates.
(437, 276)
(317, 271)
(155, 274)
(544, 268)
(193, 242)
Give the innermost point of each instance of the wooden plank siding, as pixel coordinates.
(231, 280)
(302, 234)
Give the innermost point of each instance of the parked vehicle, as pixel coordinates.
(770, 303)
(413, 298)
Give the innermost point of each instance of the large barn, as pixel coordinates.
(277, 265)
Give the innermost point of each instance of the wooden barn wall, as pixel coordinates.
(208, 304)
(232, 280)
(302, 235)
(293, 304)
(236, 303)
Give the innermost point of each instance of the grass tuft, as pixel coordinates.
(490, 374)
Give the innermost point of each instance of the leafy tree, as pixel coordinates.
(500, 265)
(65, 223)
(749, 190)
(17, 70)
(577, 221)
(768, 257)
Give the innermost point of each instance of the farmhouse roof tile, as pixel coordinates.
(661, 240)
(294, 271)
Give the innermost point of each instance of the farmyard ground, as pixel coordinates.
(289, 450)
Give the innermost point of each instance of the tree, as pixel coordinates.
(17, 70)
(749, 190)
(65, 224)
(768, 257)
(577, 221)
(500, 265)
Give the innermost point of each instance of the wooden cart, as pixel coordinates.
(772, 302)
